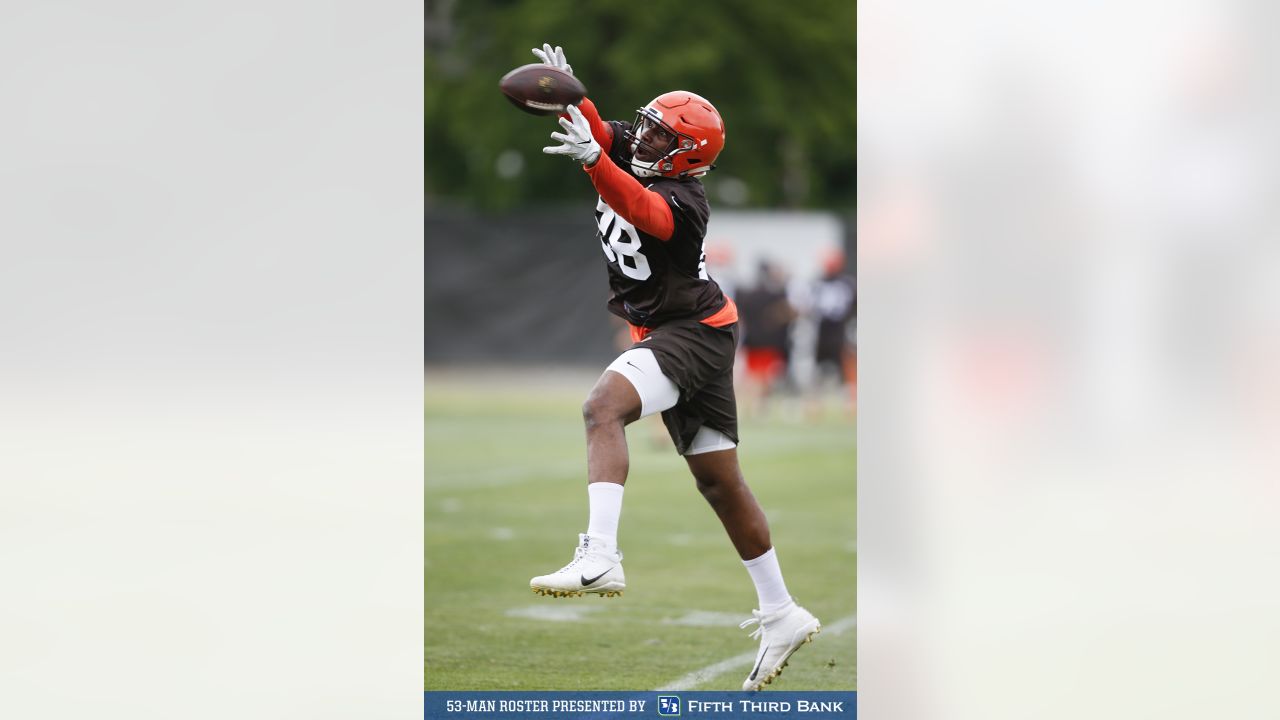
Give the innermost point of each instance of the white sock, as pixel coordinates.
(770, 589)
(605, 499)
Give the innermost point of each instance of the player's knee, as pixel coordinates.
(598, 410)
(590, 412)
(611, 403)
(710, 487)
(709, 491)
(718, 483)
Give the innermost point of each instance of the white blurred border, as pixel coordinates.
(1068, 408)
(210, 359)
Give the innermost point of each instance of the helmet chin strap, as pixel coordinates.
(644, 170)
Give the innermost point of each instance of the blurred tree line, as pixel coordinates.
(782, 74)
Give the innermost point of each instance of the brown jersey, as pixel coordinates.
(655, 281)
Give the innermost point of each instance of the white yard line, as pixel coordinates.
(701, 675)
(697, 677)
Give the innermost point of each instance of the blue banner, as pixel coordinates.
(687, 705)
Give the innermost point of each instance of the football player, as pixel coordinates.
(652, 218)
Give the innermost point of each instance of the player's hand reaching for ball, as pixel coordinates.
(576, 140)
(554, 58)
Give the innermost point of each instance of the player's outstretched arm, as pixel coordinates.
(600, 130)
(643, 208)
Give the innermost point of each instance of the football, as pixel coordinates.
(541, 89)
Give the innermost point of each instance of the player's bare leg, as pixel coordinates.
(597, 565)
(612, 405)
(720, 481)
(783, 625)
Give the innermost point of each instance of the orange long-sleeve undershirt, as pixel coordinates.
(643, 208)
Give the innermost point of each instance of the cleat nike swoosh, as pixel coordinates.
(757, 667)
(586, 582)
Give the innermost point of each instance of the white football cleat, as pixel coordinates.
(596, 568)
(781, 633)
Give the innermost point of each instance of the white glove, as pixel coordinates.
(554, 58)
(576, 141)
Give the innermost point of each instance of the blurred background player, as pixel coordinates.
(652, 216)
(767, 315)
(833, 301)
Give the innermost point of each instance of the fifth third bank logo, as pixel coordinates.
(669, 705)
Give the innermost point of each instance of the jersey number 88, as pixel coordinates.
(621, 243)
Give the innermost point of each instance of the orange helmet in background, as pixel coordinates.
(832, 261)
(678, 134)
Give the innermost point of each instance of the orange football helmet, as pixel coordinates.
(678, 134)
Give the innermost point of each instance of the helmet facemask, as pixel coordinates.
(654, 144)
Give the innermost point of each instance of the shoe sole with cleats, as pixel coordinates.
(575, 593)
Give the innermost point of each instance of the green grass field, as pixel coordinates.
(506, 498)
